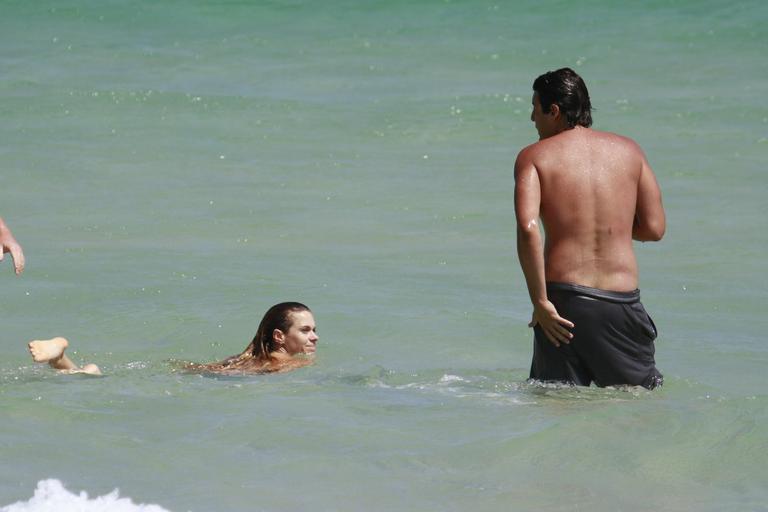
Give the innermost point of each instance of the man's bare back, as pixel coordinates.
(591, 184)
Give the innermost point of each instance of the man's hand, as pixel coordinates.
(553, 325)
(9, 244)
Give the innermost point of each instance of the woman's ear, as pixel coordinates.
(278, 336)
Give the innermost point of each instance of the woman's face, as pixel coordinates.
(301, 337)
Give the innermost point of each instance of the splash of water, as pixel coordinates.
(51, 496)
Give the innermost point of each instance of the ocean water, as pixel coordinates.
(172, 169)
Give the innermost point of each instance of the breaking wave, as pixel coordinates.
(51, 496)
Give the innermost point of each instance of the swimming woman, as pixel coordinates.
(285, 340)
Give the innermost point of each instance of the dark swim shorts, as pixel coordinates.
(612, 340)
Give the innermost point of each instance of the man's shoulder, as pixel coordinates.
(615, 138)
(527, 158)
(566, 142)
(531, 150)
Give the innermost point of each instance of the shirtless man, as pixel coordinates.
(594, 193)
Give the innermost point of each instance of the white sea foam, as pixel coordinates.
(51, 496)
(452, 378)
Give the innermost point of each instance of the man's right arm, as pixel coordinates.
(530, 251)
(650, 221)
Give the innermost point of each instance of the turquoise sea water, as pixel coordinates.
(174, 168)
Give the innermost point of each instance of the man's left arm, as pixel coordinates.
(650, 220)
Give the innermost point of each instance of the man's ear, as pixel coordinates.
(278, 336)
(554, 110)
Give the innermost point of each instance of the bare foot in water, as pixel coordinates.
(44, 351)
(52, 352)
(89, 369)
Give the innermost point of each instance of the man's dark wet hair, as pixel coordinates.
(567, 90)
